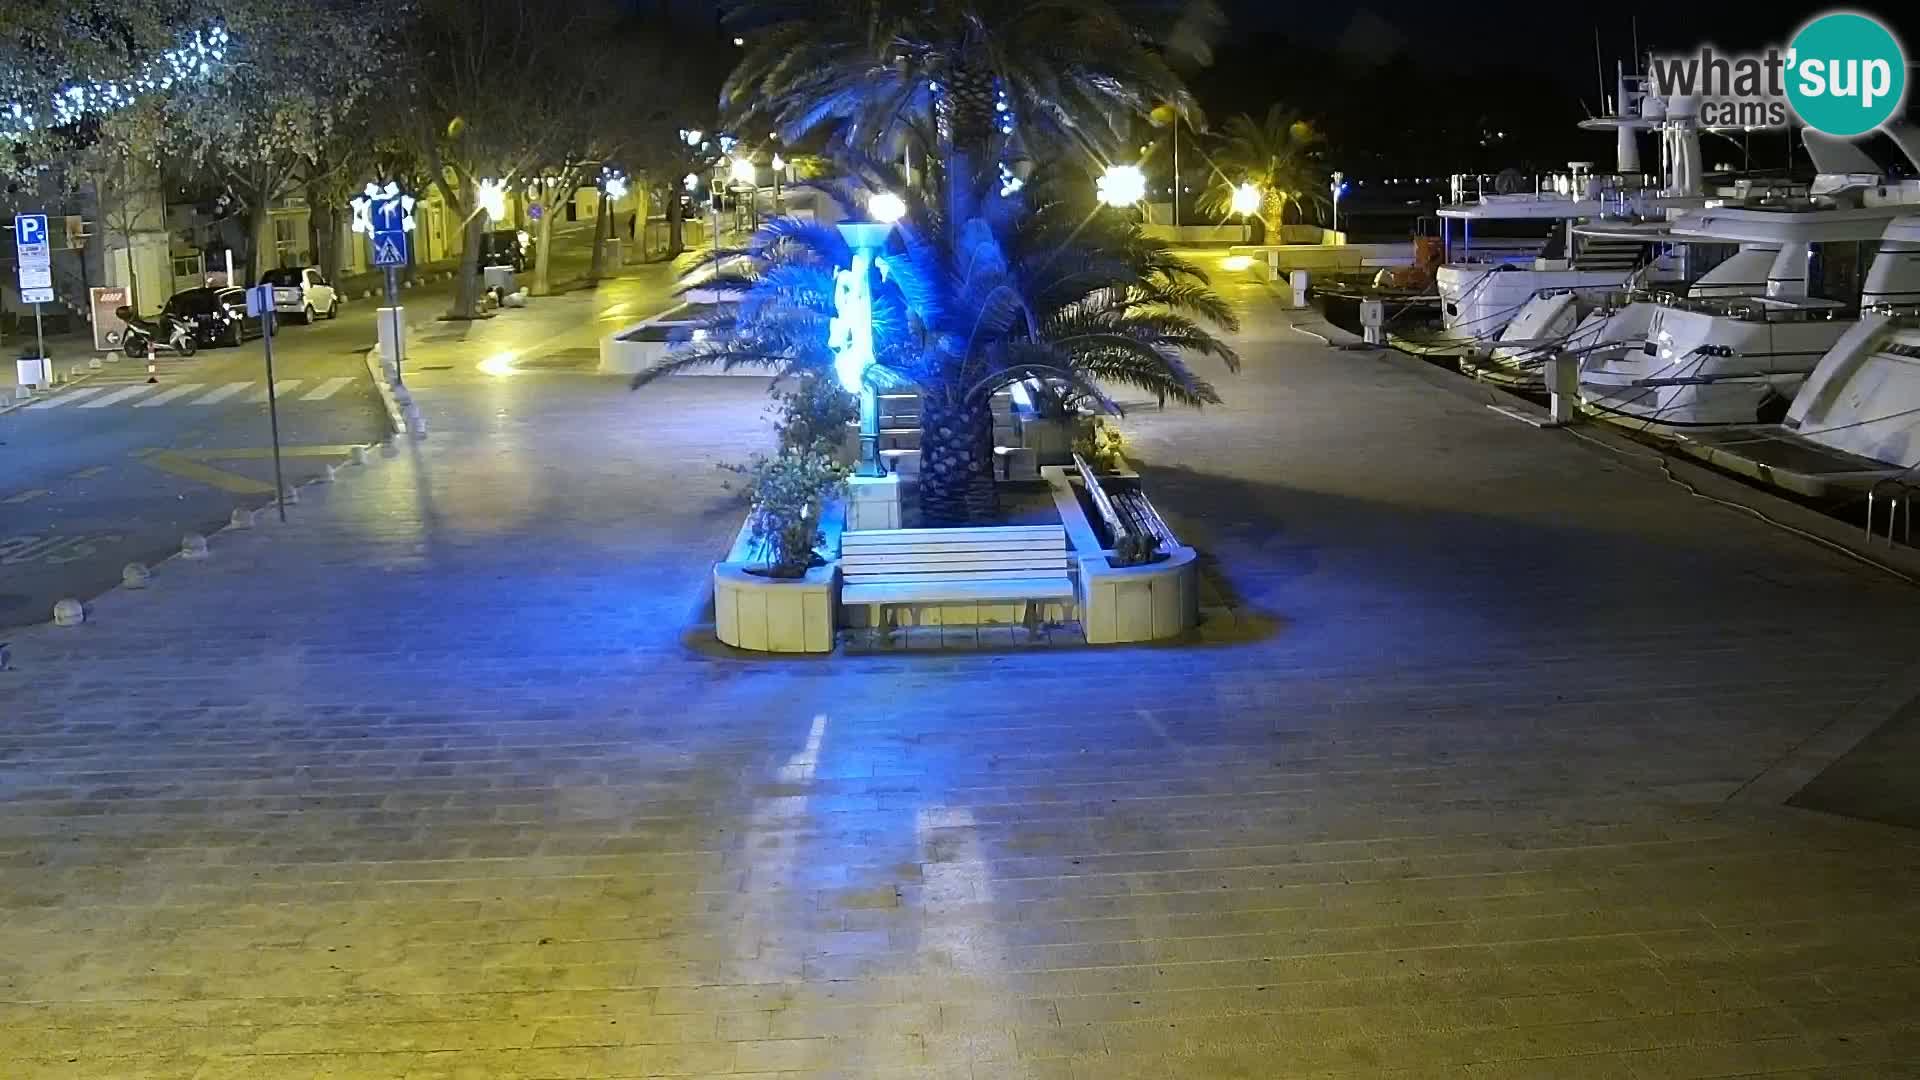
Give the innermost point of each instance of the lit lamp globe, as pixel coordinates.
(1246, 199)
(1121, 185)
(886, 208)
(743, 171)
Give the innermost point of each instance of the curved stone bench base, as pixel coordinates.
(1139, 603)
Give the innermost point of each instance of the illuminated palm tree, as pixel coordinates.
(885, 74)
(1278, 155)
(1018, 287)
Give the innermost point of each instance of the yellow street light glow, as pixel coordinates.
(886, 208)
(492, 197)
(1246, 200)
(1236, 262)
(1121, 185)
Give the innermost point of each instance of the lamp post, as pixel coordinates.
(850, 332)
(1246, 203)
(1121, 185)
(1339, 187)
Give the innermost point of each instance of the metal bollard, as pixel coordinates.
(1563, 387)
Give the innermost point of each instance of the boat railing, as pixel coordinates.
(1764, 309)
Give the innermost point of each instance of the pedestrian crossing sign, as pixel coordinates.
(389, 247)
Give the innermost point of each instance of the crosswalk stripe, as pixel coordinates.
(326, 389)
(214, 397)
(117, 396)
(280, 389)
(67, 398)
(165, 396)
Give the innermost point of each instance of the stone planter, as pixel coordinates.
(783, 615)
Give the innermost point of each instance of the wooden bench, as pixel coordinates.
(1009, 564)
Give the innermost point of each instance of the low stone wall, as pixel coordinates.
(620, 354)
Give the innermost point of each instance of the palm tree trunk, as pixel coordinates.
(956, 463)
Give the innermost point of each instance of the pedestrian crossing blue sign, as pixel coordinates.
(389, 247)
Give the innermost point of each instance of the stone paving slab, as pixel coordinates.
(431, 784)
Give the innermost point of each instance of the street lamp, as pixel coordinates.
(491, 196)
(1339, 188)
(850, 331)
(743, 171)
(1246, 203)
(886, 208)
(1121, 185)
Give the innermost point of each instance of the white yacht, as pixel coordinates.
(1856, 418)
(1736, 355)
(1482, 288)
(1584, 321)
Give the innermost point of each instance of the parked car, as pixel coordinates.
(506, 247)
(302, 291)
(218, 316)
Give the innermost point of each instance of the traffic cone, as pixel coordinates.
(151, 369)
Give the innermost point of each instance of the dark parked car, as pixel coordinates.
(506, 247)
(218, 315)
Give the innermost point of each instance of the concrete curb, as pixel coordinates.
(56, 392)
(396, 416)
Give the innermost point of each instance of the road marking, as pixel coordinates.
(187, 469)
(88, 474)
(214, 397)
(280, 389)
(326, 389)
(57, 550)
(165, 396)
(26, 496)
(191, 464)
(118, 396)
(69, 396)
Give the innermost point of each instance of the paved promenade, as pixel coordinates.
(1475, 782)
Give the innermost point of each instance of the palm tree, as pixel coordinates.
(1279, 155)
(884, 74)
(1018, 286)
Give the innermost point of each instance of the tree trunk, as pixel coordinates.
(326, 237)
(956, 463)
(466, 293)
(260, 237)
(676, 224)
(600, 233)
(543, 251)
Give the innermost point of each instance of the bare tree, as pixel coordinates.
(498, 86)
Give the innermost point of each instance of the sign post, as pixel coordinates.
(36, 269)
(260, 303)
(385, 214)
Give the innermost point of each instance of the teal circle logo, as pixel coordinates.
(1846, 74)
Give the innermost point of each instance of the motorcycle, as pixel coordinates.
(143, 337)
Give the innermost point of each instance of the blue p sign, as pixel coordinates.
(30, 229)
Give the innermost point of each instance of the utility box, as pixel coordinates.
(1373, 322)
(1299, 278)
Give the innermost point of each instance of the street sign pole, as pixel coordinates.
(273, 413)
(393, 305)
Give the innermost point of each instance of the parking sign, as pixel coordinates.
(35, 261)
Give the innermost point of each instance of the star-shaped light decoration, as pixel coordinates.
(373, 194)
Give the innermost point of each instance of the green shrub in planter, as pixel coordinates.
(787, 492)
